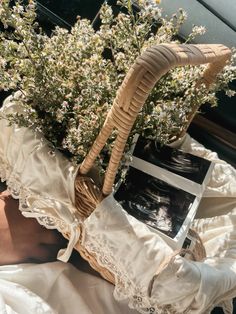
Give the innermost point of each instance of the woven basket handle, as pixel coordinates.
(139, 81)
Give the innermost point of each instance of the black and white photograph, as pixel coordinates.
(191, 167)
(154, 202)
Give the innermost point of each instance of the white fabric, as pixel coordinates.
(55, 288)
(43, 182)
(182, 286)
(222, 182)
(40, 177)
(128, 248)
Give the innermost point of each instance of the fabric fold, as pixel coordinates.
(40, 177)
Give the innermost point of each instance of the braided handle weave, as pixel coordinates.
(139, 81)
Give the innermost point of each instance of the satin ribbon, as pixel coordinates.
(38, 209)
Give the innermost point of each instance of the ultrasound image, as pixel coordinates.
(154, 202)
(184, 164)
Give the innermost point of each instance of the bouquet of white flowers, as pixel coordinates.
(68, 80)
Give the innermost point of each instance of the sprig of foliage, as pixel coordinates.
(66, 82)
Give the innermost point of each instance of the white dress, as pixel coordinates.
(44, 183)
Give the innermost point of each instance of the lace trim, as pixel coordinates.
(51, 219)
(125, 288)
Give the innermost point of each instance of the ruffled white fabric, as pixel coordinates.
(135, 255)
(128, 249)
(44, 182)
(41, 178)
(222, 182)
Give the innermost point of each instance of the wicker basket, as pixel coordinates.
(131, 96)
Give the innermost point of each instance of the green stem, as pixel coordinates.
(135, 22)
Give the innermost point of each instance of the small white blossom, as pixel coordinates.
(199, 30)
(230, 92)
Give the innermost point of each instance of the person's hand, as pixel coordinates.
(24, 239)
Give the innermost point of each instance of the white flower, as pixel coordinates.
(230, 92)
(199, 30)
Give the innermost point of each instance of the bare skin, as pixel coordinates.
(23, 239)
